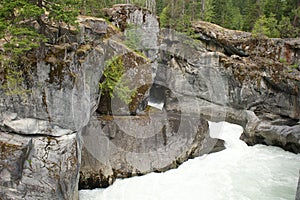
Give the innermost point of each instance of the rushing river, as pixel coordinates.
(239, 172)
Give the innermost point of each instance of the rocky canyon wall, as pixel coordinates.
(40, 129)
(138, 140)
(63, 119)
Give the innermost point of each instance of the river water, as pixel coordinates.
(239, 172)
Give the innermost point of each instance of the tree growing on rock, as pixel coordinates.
(25, 25)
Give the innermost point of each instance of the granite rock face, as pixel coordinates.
(121, 145)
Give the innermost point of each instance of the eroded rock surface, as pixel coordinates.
(125, 146)
(244, 81)
(222, 75)
(40, 145)
(153, 140)
(39, 167)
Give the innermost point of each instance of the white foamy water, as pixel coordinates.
(239, 172)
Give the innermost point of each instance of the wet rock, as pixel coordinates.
(265, 132)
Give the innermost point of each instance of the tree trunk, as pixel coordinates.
(84, 7)
(194, 4)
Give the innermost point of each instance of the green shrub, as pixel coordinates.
(266, 26)
(114, 83)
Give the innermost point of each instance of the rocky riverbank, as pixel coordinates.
(219, 75)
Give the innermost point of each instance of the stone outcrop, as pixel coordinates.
(125, 146)
(265, 83)
(40, 130)
(152, 140)
(39, 167)
(248, 81)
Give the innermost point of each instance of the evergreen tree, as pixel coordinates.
(24, 25)
(276, 8)
(286, 28)
(266, 26)
(252, 12)
(227, 14)
(176, 16)
(207, 11)
(160, 5)
(18, 21)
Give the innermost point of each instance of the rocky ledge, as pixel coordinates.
(262, 78)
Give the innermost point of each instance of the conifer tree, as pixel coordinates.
(24, 25)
